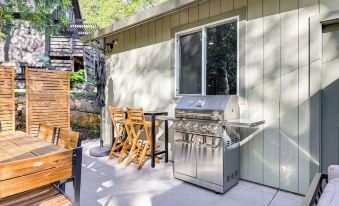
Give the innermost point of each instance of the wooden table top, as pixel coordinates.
(19, 146)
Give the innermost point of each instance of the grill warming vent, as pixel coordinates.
(232, 175)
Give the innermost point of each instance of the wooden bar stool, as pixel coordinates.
(140, 148)
(120, 146)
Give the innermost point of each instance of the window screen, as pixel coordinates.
(190, 54)
(221, 66)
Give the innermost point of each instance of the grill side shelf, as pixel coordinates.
(243, 123)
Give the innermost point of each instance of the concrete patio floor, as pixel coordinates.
(108, 183)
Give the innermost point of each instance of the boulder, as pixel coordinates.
(73, 106)
(86, 106)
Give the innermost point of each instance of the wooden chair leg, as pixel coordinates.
(118, 143)
(142, 157)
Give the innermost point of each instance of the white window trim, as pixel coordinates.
(201, 28)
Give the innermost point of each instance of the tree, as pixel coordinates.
(107, 12)
(39, 13)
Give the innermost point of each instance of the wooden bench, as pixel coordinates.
(36, 181)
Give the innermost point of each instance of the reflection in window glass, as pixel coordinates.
(221, 67)
(190, 63)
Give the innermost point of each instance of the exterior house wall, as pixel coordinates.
(275, 74)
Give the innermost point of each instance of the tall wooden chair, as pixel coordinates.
(47, 132)
(140, 148)
(68, 139)
(120, 146)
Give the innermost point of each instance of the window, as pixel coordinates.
(207, 60)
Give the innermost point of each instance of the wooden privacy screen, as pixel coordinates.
(7, 98)
(47, 99)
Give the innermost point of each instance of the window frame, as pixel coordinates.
(202, 29)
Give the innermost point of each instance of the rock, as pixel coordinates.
(86, 106)
(77, 103)
(73, 106)
(89, 88)
(80, 86)
(85, 120)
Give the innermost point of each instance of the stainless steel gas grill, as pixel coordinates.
(206, 151)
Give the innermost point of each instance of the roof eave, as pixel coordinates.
(161, 9)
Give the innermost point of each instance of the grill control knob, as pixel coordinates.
(195, 127)
(203, 128)
(214, 129)
(179, 125)
(186, 126)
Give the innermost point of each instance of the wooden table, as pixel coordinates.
(18, 145)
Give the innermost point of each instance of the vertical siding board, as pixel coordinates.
(289, 39)
(132, 37)
(255, 94)
(144, 34)
(138, 36)
(271, 91)
(166, 28)
(127, 41)
(204, 10)
(315, 90)
(121, 41)
(151, 32)
(289, 138)
(183, 17)
(193, 13)
(214, 7)
(307, 8)
(226, 5)
(158, 30)
(239, 3)
(175, 20)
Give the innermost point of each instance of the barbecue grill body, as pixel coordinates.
(205, 152)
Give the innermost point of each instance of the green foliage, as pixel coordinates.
(77, 77)
(20, 94)
(38, 13)
(107, 12)
(83, 95)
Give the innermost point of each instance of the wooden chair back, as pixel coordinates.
(117, 115)
(47, 132)
(24, 175)
(68, 139)
(136, 116)
(7, 98)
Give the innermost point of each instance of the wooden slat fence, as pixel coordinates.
(47, 99)
(7, 98)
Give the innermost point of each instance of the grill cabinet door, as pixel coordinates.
(210, 160)
(185, 158)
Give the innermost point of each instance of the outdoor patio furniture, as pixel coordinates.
(47, 132)
(47, 99)
(29, 168)
(323, 190)
(155, 115)
(121, 144)
(140, 148)
(68, 139)
(7, 98)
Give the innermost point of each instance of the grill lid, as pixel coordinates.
(214, 103)
(211, 107)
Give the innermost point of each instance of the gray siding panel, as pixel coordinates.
(255, 69)
(271, 96)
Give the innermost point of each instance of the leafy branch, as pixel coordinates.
(39, 14)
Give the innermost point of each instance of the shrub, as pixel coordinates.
(77, 77)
